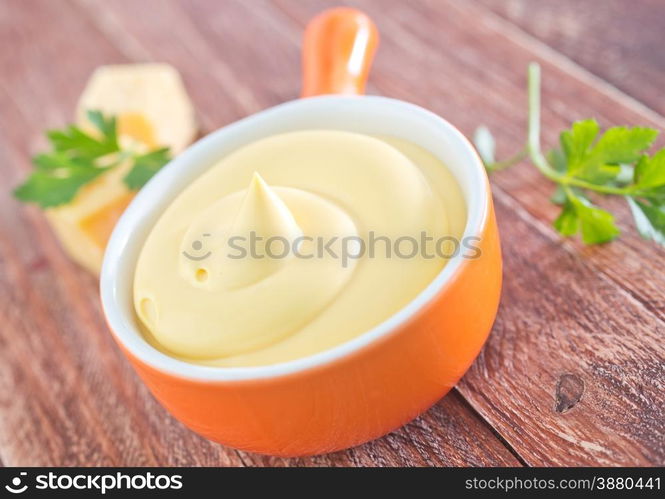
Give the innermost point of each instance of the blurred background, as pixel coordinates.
(576, 322)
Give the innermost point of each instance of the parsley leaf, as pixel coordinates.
(485, 145)
(613, 163)
(601, 162)
(145, 167)
(622, 145)
(78, 157)
(650, 171)
(105, 125)
(55, 180)
(649, 218)
(578, 214)
(576, 142)
(568, 222)
(74, 141)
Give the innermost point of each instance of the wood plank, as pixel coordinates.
(618, 40)
(578, 326)
(67, 397)
(596, 313)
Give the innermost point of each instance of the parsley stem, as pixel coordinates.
(533, 143)
(507, 163)
(604, 189)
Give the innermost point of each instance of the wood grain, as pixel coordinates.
(527, 356)
(619, 40)
(573, 372)
(68, 395)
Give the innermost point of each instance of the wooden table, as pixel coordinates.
(573, 320)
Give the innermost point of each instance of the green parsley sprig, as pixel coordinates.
(612, 163)
(78, 157)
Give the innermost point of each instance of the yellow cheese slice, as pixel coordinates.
(152, 110)
(154, 91)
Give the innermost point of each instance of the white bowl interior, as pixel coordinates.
(366, 114)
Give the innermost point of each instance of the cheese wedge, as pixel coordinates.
(85, 225)
(153, 91)
(153, 110)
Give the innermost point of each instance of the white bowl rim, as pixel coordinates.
(126, 332)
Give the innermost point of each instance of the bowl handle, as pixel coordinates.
(338, 48)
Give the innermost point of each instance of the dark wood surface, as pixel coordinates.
(573, 372)
(618, 40)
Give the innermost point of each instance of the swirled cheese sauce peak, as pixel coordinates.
(294, 244)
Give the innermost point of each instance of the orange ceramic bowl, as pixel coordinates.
(361, 389)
